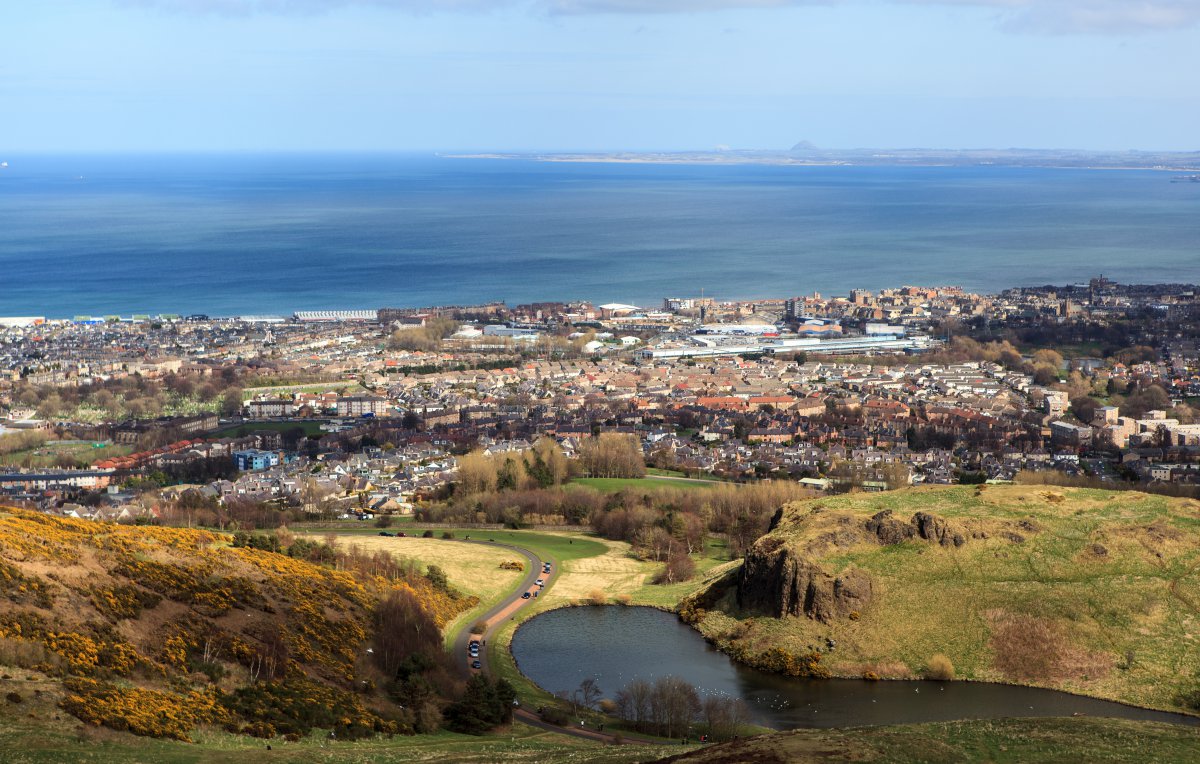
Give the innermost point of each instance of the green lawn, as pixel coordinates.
(81, 454)
(612, 485)
(310, 427)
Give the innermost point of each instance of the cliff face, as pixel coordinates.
(776, 579)
(781, 577)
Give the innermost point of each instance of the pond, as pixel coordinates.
(616, 645)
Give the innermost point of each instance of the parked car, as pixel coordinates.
(526, 596)
(385, 533)
(540, 582)
(476, 665)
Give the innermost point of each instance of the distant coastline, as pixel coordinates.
(236, 235)
(814, 157)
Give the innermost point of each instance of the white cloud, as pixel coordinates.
(1037, 16)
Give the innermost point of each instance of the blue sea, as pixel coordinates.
(235, 234)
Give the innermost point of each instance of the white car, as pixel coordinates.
(540, 582)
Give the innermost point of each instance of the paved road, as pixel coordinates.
(504, 610)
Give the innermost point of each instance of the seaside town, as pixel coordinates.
(365, 413)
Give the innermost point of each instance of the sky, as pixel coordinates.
(597, 75)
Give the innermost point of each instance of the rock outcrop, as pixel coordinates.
(776, 579)
(888, 529)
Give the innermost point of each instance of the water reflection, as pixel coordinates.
(616, 645)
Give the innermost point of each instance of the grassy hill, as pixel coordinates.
(1019, 741)
(1090, 591)
(163, 631)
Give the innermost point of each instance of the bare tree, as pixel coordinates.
(589, 693)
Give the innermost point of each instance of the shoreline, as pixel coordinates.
(1187, 719)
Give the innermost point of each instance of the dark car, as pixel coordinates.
(400, 534)
(385, 533)
(526, 596)
(476, 665)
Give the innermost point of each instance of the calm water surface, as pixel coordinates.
(229, 234)
(616, 645)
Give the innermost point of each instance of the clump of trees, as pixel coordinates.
(408, 651)
(669, 706)
(566, 505)
(542, 466)
(612, 455)
(11, 443)
(427, 337)
(486, 704)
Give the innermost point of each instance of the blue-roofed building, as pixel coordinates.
(252, 459)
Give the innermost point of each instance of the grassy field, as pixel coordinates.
(654, 471)
(1089, 591)
(469, 567)
(242, 430)
(81, 454)
(36, 732)
(1015, 741)
(611, 485)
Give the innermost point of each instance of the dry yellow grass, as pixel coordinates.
(614, 572)
(470, 568)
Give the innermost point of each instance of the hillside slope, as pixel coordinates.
(1019, 741)
(160, 630)
(1094, 592)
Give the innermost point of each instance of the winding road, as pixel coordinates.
(504, 610)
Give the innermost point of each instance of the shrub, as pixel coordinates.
(22, 653)
(14, 697)
(479, 627)
(1189, 699)
(624, 599)
(437, 578)
(870, 676)
(597, 597)
(383, 521)
(486, 704)
(555, 715)
(427, 534)
(939, 668)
